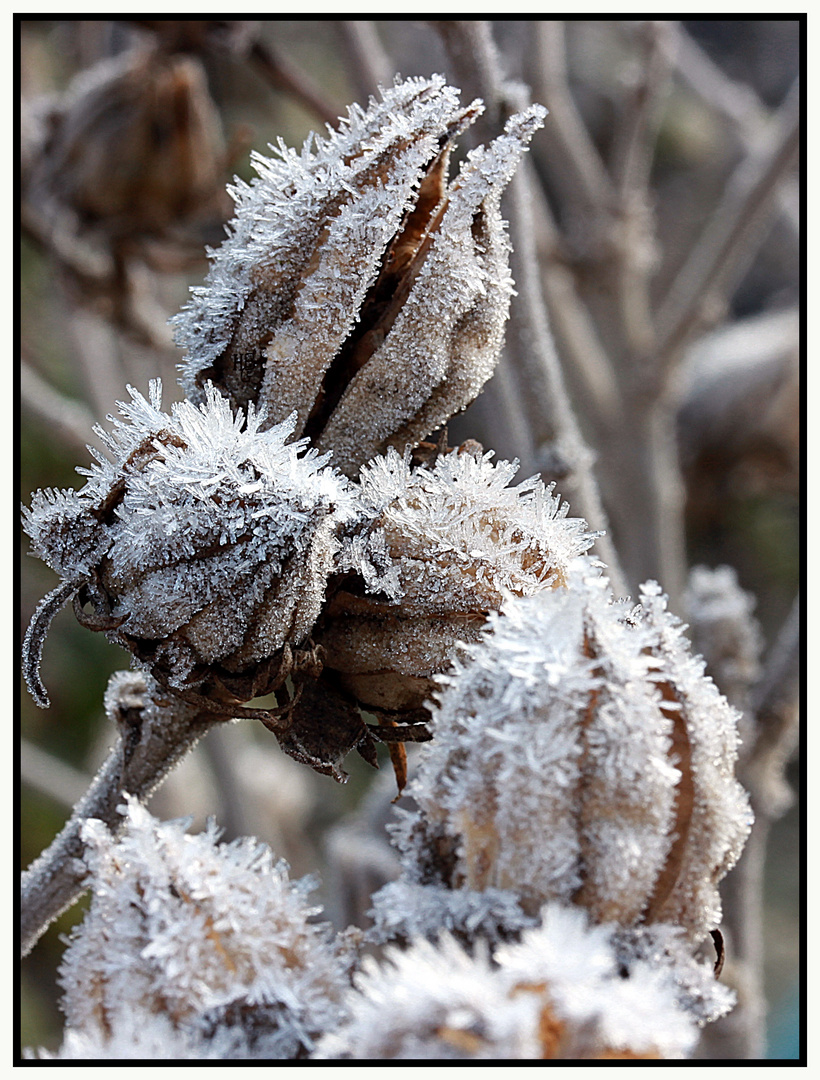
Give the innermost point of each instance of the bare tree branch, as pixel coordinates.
(68, 420)
(733, 233)
(544, 395)
(370, 67)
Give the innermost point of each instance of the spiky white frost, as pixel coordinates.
(210, 939)
(280, 214)
(566, 990)
(553, 771)
(459, 530)
(192, 522)
(310, 237)
(437, 548)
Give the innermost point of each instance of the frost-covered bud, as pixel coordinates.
(434, 550)
(358, 286)
(566, 991)
(212, 940)
(581, 755)
(203, 545)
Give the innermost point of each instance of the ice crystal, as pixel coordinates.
(433, 1002)
(405, 909)
(596, 1005)
(355, 287)
(437, 548)
(214, 939)
(580, 755)
(199, 532)
(563, 991)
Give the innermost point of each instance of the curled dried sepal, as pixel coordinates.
(435, 549)
(356, 287)
(581, 755)
(36, 635)
(202, 545)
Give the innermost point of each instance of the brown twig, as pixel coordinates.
(286, 77)
(730, 237)
(63, 418)
(369, 65)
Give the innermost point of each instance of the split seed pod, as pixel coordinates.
(357, 287)
(581, 755)
(203, 546)
(435, 550)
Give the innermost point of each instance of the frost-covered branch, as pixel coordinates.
(154, 733)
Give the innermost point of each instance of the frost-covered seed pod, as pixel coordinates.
(211, 939)
(435, 549)
(564, 992)
(203, 545)
(357, 286)
(581, 755)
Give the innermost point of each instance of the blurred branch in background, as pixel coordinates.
(651, 366)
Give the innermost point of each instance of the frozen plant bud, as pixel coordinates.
(563, 992)
(581, 755)
(435, 549)
(358, 286)
(202, 546)
(210, 940)
(136, 145)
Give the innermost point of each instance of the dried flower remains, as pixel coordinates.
(357, 286)
(580, 754)
(202, 547)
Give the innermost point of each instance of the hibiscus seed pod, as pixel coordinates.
(136, 145)
(203, 546)
(581, 755)
(434, 550)
(357, 286)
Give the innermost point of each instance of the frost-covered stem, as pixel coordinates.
(153, 738)
(551, 414)
(730, 237)
(634, 153)
(63, 418)
(369, 65)
(545, 398)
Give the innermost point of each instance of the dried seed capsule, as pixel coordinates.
(435, 550)
(203, 546)
(581, 755)
(566, 990)
(196, 941)
(136, 144)
(357, 287)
